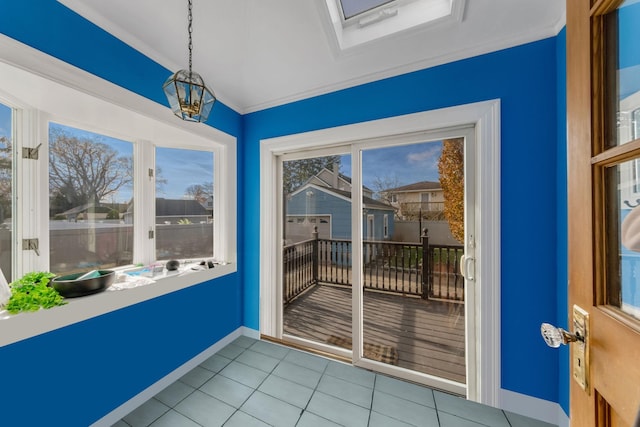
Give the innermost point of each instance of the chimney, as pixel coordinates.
(336, 173)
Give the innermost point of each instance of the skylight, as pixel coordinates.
(351, 8)
(359, 22)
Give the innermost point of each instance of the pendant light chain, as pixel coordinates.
(190, 31)
(189, 97)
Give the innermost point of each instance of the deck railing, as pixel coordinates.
(397, 267)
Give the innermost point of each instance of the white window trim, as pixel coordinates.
(411, 15)
(35, 83)
(486, 118)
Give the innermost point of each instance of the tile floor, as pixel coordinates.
(257, 383)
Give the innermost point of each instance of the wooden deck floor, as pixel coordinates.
(427, 335)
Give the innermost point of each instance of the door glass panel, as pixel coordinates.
(413, 291)
(317, 250)
(623, 237)
(6, 193)
(623, 73)
(184, 204)
(90, 200)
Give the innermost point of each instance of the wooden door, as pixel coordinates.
(604, 194)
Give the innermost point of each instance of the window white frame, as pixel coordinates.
(485, 117)
(386, 226)
(376, 24)
(43, 89)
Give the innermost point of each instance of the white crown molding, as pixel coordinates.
(88, 13)
(464, 53)
(561, 23)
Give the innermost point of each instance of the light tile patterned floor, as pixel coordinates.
(257, 383)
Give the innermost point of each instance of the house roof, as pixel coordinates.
(416, 186)
(367, 201)
(178, 207)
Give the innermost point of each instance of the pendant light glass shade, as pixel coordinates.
(189, 97)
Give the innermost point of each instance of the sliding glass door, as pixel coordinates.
(376, 237)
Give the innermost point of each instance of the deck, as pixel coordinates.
(426, 335)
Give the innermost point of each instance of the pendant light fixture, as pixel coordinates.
(189, 97)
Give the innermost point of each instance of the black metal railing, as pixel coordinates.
(397, 267)
(299, 268)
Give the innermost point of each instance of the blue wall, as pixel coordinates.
(524, 78)
(562, 227)
(123, 352)
(75, 375)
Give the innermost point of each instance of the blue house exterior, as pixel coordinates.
(318, 202)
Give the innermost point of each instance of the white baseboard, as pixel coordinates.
(121, 411)
(540, 409)
(251, 333)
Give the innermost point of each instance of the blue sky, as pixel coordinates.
(5, 121)
(405, 164)
(181, 168)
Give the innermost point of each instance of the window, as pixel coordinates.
(351, 8)
(386, 226)
(90, 191)
(358, 22)
(6, 190)
(184, 220)
(91, 115)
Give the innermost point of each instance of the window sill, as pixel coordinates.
(14, 328)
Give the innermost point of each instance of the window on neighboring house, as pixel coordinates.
(386, 226)
(184, 184)
(394, 198)
(635, 123)
(424, 197)
(6, 189)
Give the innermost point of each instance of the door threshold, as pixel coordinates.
(307, 349)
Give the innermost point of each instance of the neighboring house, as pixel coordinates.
(330, 209)
(412, 200)
(208, 205)
(91, 211)
(172, 211)
(334, 179)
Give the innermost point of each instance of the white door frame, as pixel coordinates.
(484, 386)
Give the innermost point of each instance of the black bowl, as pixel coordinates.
(69, 287)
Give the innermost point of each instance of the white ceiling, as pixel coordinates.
(255, 54)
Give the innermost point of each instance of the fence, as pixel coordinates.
(396, 267)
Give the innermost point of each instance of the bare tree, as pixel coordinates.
(84, 170)
(382, 184)
(200, 192)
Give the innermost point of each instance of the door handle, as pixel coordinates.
(554, 337)
(466, 265)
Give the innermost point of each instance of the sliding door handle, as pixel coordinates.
(467, 267)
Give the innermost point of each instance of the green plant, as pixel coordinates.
(31, 293)
(113, 214)
(184, 221)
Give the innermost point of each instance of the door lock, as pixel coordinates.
(554, 337)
